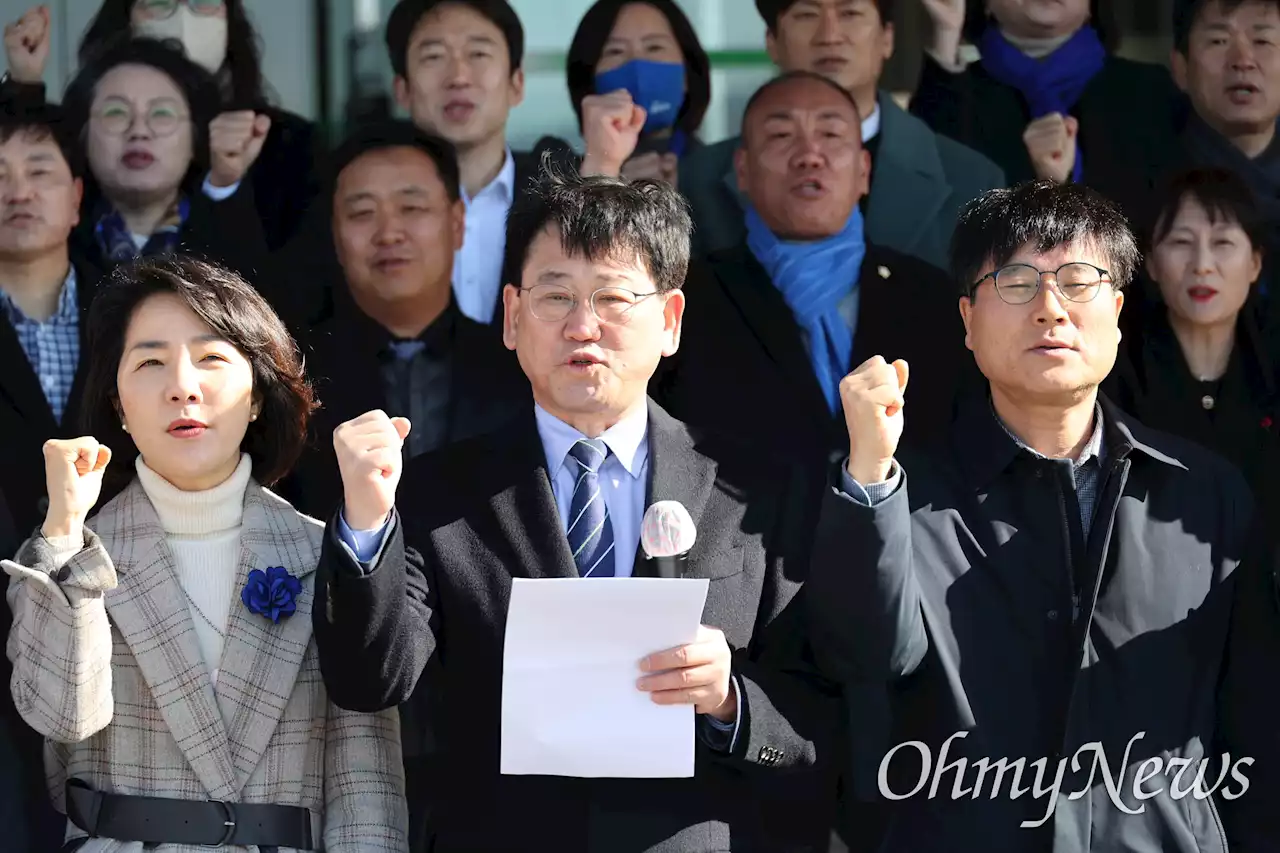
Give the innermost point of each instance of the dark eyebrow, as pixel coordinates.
(155, 345)
(436, 41)
(363, 195)
(655, 36)
(368, 195)
(552, 276)
(1218, 26)
(613, 277)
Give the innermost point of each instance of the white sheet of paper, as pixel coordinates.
(570, 704)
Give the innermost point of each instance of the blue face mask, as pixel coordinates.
(656, 86)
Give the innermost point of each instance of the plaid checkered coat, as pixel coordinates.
(107, 668)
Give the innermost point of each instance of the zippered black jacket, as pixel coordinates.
(1003, 632)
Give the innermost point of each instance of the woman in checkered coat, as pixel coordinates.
(163, 647)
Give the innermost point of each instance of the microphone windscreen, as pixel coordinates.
(667, 530)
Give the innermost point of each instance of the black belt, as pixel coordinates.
(208, 823)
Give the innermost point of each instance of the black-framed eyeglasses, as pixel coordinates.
(1018, 284)
(158, 10)
(163, 117)
(553, 303)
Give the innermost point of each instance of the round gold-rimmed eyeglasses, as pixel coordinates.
(116, 115)
(553, 303)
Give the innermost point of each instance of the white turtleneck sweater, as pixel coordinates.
(202, 530)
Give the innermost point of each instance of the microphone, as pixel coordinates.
(667, 534)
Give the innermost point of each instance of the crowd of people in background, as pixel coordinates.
(975, 400)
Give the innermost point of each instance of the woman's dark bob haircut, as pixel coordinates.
(588, 46)
(229, 306)
(241, 72)
(1224, 196)
(196, 85)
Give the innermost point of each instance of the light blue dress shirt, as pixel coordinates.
(623, 476)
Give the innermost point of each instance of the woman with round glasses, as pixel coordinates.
(1199, 368)
(142, 111)
(218, 36)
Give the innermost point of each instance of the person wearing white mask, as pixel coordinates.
(218, 36)
(201, 26)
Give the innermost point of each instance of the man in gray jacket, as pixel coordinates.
(1048, 592)
(919, 180)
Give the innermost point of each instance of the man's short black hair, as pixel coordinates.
(772, 10)
(1041, 215)
(607, 218)
(407, 14)
(1187, 12)
(39, 120)
(789, 77)
(397, 133)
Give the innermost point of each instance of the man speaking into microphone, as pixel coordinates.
(562, 493)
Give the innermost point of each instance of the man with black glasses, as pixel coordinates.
(1049, 590)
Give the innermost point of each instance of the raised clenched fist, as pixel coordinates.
(1051, 143)
(73, 470)
(873, 397)
(26, 45)
(235, 141)
(370, 459)
(947, 17)
(611, 126)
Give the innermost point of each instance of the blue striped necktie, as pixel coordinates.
(590, 533)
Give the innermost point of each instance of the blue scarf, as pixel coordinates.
(813, 279)
(116, 241)
(1049, 85)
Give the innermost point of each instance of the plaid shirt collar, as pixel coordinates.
(68, 310)
(1095, 448)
